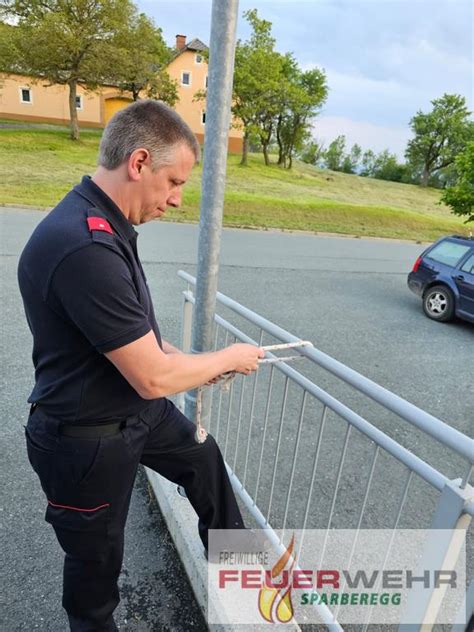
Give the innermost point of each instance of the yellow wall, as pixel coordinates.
(49, 103)
(192, 111)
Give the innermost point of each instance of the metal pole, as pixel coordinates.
(218, 117)
(186, 324)
(442, 549)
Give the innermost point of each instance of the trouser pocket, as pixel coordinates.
(78, 459)
(62, 463)
(41, 448)
(81, 531)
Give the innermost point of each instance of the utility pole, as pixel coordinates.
(218, 118)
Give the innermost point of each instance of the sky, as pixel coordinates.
(384, 59)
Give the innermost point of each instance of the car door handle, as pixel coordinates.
(459, 277)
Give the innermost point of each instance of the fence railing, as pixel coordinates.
(282, 434)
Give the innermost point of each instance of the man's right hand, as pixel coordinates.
(245, 357)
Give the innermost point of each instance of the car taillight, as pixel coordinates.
(417, 264)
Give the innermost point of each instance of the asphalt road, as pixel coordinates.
(349, 296)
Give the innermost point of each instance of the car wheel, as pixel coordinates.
(438, 303)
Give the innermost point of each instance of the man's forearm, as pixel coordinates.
(184, 372)
(154, 373)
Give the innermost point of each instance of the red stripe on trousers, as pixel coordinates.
(78, 508)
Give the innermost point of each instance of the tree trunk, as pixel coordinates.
(245, 150)
(289, 154)
(73, 109)
(425, 176)
(265, 153)
(281, 157)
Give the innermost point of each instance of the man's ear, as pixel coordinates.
(138, 159)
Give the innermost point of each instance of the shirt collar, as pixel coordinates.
(90, 191)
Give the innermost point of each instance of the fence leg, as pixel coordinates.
(465, 616)
(441, 551)
(186, 331)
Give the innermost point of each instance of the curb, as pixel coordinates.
(181, 521)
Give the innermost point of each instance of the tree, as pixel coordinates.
(256, 74)
(300, 96)
(439, 135)
(334, 155)
(312, 152)
(368, 163)
(460, 197)
(67, 42)
(351, 160)
(446, 177)
(387, 167)
(7, 47)
(141, 58)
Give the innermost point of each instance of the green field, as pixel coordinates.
(38, 166)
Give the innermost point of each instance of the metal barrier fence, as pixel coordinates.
(300, 458)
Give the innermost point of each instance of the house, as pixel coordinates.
(32, 99)
(189, 68)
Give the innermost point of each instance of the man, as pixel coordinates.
(102, 370)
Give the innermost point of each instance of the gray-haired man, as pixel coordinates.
(99, 406)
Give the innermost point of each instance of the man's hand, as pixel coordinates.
(245, 357)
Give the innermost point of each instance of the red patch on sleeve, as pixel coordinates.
(98, 223)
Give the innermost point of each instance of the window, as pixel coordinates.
(469, 265)
(448, 252)
(25, 95)
(79, 102)
(203, 117)
(185, 78)
(198, 59)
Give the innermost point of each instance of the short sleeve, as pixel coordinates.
(94, 289)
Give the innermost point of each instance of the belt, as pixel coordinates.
(91, 432)
(87, 432)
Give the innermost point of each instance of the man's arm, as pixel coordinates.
(168, 348)
(113, 321)
(153, 373)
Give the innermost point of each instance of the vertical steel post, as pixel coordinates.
(218, 118)
(186, 326)
(440, 548)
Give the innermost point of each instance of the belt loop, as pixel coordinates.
(129, 421)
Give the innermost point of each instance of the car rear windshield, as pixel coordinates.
(448, 252)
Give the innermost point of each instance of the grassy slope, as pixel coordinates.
(38, 166)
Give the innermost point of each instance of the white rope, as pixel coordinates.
(225, 379)
(288, 345)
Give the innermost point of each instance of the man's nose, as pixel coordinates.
(175, 199)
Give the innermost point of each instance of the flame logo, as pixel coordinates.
(274, 603)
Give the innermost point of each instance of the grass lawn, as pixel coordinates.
(39, 165)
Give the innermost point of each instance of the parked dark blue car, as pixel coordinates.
(443, 275)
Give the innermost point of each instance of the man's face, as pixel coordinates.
(162, 188)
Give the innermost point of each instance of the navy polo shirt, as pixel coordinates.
(84, 293)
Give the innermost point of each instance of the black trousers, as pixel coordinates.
(88, 485)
